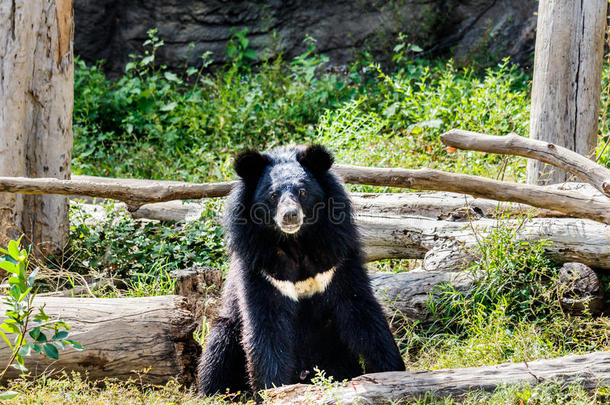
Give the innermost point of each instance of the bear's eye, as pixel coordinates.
(302, 193)
(273, 196)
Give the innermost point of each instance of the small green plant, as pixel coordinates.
(22, 320)
(239, 52)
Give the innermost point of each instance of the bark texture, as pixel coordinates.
(567, 79)
(590, 370)
(121, 335)
(36, 93)
(438, 242)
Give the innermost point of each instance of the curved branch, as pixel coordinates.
(513, 144)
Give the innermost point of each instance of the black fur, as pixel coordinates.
(263, 338)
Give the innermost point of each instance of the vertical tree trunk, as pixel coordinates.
(36, 101)
(567, 79)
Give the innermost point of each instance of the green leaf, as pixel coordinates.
(75, 345)
(26, 350)
(32, 276)
(171, 77)
(13, 249)
(9, 327)
(191, 71)
(8, 266)
(8, 342)
(147, 60)
(169, 106)
(60, 335)
(6, 395)
(50, 351)
(36, 347)
(34, 333)
(250, 54)
(20, 367)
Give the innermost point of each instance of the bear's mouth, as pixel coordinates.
(290, 228)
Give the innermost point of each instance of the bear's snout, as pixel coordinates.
(289, 216)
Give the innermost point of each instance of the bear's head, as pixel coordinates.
(285, 185)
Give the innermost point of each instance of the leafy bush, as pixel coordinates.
(153, 123)
(143, 252)
(398, 123)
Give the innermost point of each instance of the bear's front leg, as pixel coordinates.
(268, 333)
(361, 321)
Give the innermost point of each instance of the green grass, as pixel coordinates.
(511, 314)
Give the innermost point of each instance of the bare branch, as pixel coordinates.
(513, 144)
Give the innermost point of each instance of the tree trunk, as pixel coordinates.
(36, 102)
(122, 336)
(590, 370)
(567, 79)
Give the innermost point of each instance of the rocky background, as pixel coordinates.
(481, 30)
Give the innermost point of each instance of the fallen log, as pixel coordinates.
(568, 202)
(121, 336)
(438, 205)
(136, 193)
(589, 370)
(413, 237)
(513, 144)
(448, 245)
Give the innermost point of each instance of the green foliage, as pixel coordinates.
(408, 110)
(47, 335)
(77, 389)
(144, 251)
(239, 52)
(153, 123)
(512, 313)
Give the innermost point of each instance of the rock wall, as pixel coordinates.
(465, 29)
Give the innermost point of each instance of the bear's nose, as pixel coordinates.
(291, 216)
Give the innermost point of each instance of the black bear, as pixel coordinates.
(297, 294)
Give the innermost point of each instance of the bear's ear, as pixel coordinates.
(315, 158)
(249, 165)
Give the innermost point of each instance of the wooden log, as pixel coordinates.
(571, 203)
(513, 144)
(411, 237)
(448, 245)
(438, 205)
(121, 335)
(590, 370)
(133, 192)
(580, 289)
(136, 193)
(567, 79)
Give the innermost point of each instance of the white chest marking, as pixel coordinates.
(304, 288)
